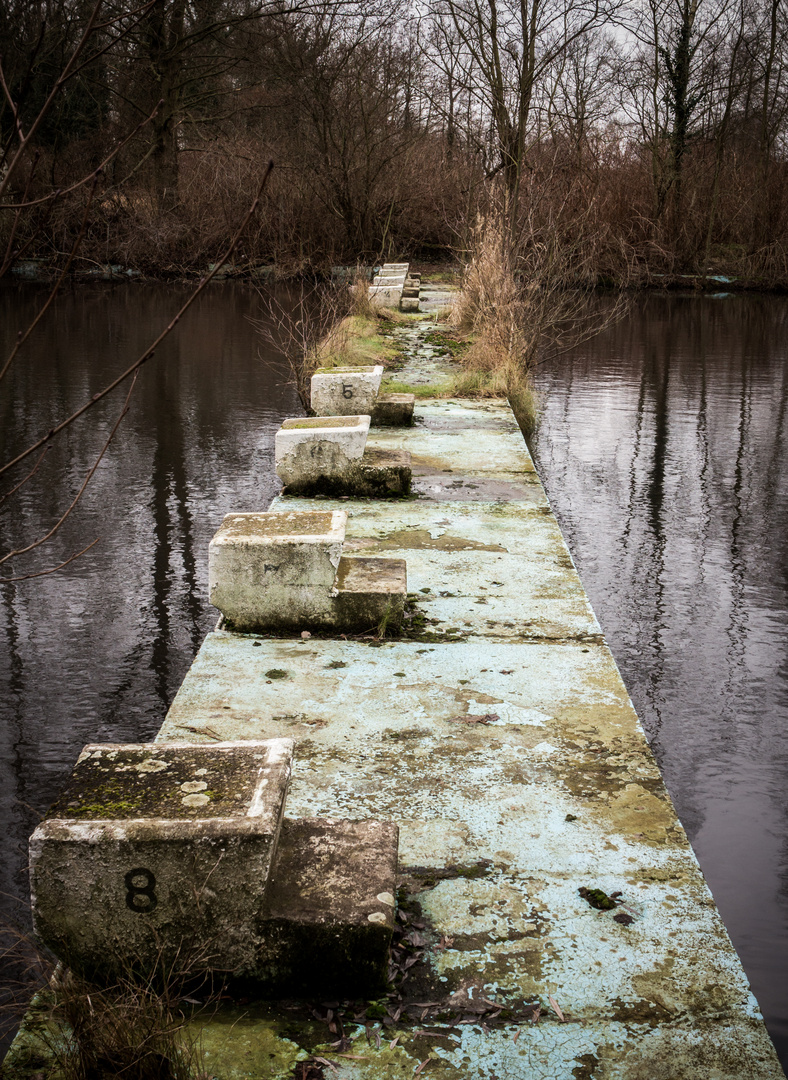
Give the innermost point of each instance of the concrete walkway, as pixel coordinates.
(501, 739)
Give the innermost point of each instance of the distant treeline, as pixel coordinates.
(135, 132)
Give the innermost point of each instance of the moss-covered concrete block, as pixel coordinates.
(393, 410)
(275, 569)
(345, 391)
(330, 907)
(159, 855)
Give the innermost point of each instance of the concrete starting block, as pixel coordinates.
(344, 391)
(328, 456)
(160, 854)
(284, 571)
(175, 857)
(409, 301)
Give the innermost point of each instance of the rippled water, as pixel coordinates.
(662, 446)
(663, 449)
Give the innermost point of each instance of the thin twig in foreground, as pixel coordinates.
(85, 482)
(52, 569)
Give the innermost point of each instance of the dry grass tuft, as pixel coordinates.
(527, 293)
(138, 1028)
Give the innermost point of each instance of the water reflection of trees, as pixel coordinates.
(666, 463)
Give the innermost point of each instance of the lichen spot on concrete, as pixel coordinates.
(193, 785)
(376, 917)
(152, 765)
(386, 898)
(196, 800)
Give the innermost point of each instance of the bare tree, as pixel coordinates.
(506, 48)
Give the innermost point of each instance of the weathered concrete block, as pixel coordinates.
(160, 854)
(380, 474)
(275, 569)
(319, 447)
(371, 591)
(393, 410)
(386, 295)
(329, 909)
(345, 390)
(409, 303)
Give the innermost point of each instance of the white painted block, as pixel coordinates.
(274, 566)
(159, 851)
(345, 390)
(319, 446)
(386, 295)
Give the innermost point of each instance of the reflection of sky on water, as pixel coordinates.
(662, 447)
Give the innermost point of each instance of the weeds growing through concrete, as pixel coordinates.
(138, 1028)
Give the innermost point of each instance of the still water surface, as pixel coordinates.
(662, 447)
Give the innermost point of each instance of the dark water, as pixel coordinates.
(97, 651)
(663, 448)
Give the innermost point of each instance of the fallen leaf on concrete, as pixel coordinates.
(492, 1004)
(536, 1015)
(435, 1034)
(354, 1057)
(394, 1042)
(325, 1061)
(556, 1008)
(201, 731)
(473, 718)
(418, 1069)
(516, 1036)
(305, 634)
(511, 672)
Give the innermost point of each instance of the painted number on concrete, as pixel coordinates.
(347, 390)
(140, 898)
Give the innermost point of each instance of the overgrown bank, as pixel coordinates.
(462, 360)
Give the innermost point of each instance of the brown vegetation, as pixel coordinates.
(667, 121)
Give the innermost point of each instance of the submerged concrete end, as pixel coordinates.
(330, 907)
